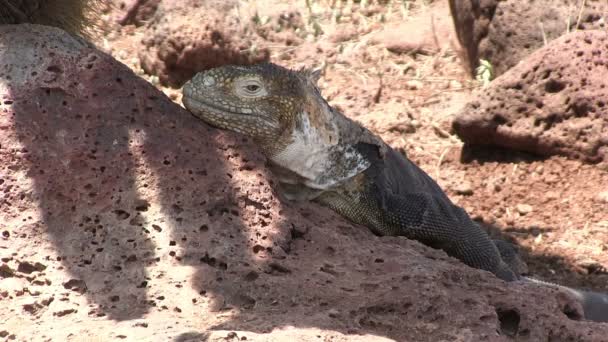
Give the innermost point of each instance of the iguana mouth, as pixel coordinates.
(198, 106)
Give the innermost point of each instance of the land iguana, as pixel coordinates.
(318, 154)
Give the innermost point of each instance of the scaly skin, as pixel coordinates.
(318, 154)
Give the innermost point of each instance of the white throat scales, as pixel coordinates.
(318, 156)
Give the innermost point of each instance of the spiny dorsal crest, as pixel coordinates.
(311, 75)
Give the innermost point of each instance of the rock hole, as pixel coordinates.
(143, 205)
(554, 86)
(251, 276)
(295, 233)
(509, 322)
(245, 301)
(580, 109)
(275, 267)
(499, 119)
(208, 260)
(121, 214)
(54, 68)
(571, 312)
(75, 285)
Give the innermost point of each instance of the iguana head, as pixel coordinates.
(261, 101)
(285, 114)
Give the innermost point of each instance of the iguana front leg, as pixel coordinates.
(423, 217)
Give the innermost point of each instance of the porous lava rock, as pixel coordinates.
(429, 33)
(554, 102)
(505, 32)
(147, 224)
(188, 36)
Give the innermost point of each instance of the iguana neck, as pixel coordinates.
(315, 148)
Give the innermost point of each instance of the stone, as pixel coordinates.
(464, 188)
(6, 271)
(523, 209)
(553, 103)
(28, 267)
(428, 34)
(504, 32)
(603, 197)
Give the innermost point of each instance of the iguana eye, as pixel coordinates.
(250, 87)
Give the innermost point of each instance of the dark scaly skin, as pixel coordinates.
(398, 198)
(357, 175)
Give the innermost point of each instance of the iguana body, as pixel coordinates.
(319, 154)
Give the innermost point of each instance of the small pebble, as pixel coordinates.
(413, 85)
(524, 209)
(603, 196)
(464, 188)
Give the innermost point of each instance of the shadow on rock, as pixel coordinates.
(70, 117)
(551, 267)
(487, 154)
(102, 148)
